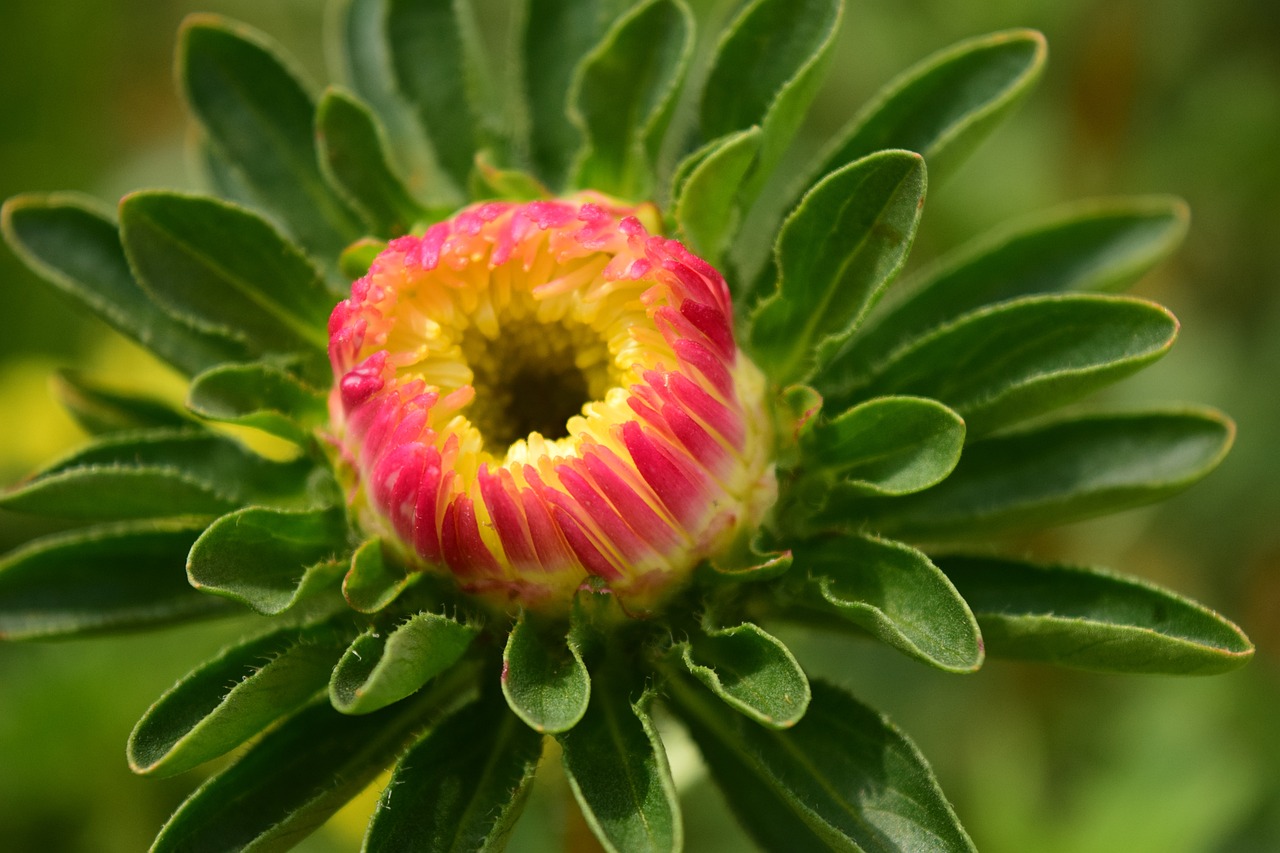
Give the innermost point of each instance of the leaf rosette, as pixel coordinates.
(567, 439)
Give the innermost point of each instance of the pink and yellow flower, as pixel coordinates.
(531, 394)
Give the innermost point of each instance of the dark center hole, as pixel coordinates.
(540, 399)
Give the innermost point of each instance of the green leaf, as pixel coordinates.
(355, 260)
(886, 446)
(544, 678)
(1097, 245)
(219, 176)
(116, 577)
(359, 28)
(488, 180)
(896, 594)
(767, 70)
(100, 410)
(159, 473)
(750, 670)
(945, 105)
(618, 771)
(233, 697)
(265, 558)
(299, 774)
(1091, 619)
(1053, 473)
(835, 255)
(353, 156)
(843, 778)
(228, 271)
(462, 787)
(76, 248)
(258, 115)
(1007, 362)
(384, 665)
(557, 35)
(624, 93)
(707, 206)
(374, 582)
(425, 41)
(261, 396)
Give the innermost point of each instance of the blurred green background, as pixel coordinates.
(1140, 96)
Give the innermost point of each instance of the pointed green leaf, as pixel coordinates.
(159, 473)
(265, 557)
(462, 787)
(76, 248)
(557, 35)
(750, 670)
(835, 255)
(374, 582)
(767, 70)
(299, 774)
(844, 778)
(1092, 619)
(544, 678)
(384, 665)
(887, 446)
(261, 396)
(707, 207)
(618, 771)
(426, 51)
(353, 157)
(895, 593)
(228, 271)
(1053, 473)
(1097, 245)
(116, 577)
(945, 105)
(624, 93)
(233, 697)
(257, 113)
(100, 410)
(359, 28)
(1005, 363)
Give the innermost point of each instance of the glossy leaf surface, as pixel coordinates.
(544, 679)
(1092, 246)
(750, 670)
(843, 778)
(256, 111)
(75, 247)
(624, 93)
(264, 557)
(1091, 619)
(354, 158)
(896, 594)
(1007, 362)
(228, 271)
(461, 788)
(296, 776)
(384, 665)
(261, 396)
(887, 446)
(116, 577)
(1054, 473)
(836, 253)
(707, 206)
(767, 70)
(232, 698)
(618, 771)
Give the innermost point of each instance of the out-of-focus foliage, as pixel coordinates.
(1140, 96)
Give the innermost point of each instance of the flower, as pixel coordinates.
(531, 394)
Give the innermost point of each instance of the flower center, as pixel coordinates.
(533, 377)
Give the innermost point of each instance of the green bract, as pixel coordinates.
(907, 431)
